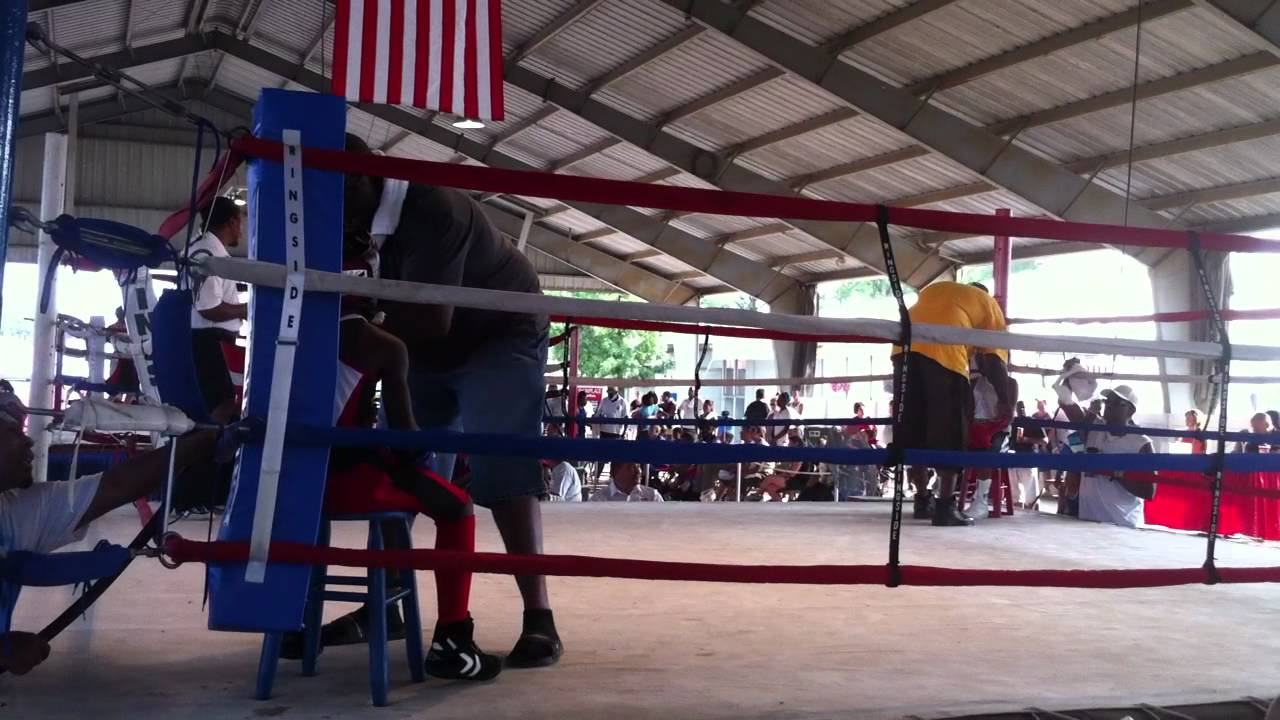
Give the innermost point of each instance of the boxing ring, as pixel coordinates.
(1010, 615)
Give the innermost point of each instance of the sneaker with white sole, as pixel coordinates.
(454, 654)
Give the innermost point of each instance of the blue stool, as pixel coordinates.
(375, 597)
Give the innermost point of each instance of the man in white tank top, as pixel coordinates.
(1109, 497)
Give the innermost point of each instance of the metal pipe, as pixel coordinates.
(43, 361)
(739, 482)
(1001, 260)
(13, 33)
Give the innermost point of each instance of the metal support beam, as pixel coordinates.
(1085, 33)
(393, 142)
(511, 131)
(318, 41)
(557, 26)
(801, 258)
(589, 151)
(792, 131)
(752, 234)
(641, 255)
(1169, 148)
(142, 55)
(883, 24)
(99, 111)
(594, 235)
(686, 276)
(658, 176)
(1037, 180)
(644, 58)
(1221, 193)
(1237, 67)
(248, 24)
(128, 24)
(944, 195)
(1256, 17)
(1253, 223)
(854, 167)
(728, 92)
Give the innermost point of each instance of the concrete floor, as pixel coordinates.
(666, 650)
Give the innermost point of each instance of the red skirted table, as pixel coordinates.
(1185, 508)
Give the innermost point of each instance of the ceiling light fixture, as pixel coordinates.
(468, 124)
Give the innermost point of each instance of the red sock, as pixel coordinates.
(453, 589)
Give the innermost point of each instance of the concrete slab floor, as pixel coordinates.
(667, 650)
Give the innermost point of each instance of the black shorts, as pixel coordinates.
(211, 366)
(610, 436)
(937, 407)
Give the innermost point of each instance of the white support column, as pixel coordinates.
(52, 203)
(97, 351)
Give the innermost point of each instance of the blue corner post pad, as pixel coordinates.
(277, 603)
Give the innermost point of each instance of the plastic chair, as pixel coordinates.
(377, 597)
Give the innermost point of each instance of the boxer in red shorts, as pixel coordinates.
(364, 479)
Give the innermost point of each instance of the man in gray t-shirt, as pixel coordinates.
(478, 371)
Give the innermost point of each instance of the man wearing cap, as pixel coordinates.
(42, 517)
(1110, 497)
(939, 400)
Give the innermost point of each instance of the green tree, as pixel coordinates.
(985, 274)
(870, 288)
(612, 352)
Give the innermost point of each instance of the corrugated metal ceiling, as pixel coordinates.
(614, 32)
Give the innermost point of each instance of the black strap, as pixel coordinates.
(94, 591)
(569, 330)
(899, 393)
(1224, 374)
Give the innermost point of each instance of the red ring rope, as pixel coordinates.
(218, 553)
(533, 183)
(717, 330)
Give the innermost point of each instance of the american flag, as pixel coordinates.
(443, 55)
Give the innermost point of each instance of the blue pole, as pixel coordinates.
(13, 33)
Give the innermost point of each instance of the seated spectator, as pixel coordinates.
(42, 517)
(856, 480)
(707, 422)
(624, 486)
(564, 485)
(1259, 424)
(724, 433)
(1193, 420)
(1026, 440)
(1275, 420)
(1111, 497)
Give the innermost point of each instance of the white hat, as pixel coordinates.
(1124, 392)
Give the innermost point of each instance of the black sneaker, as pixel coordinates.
(924, 506)
(945, 514)
(455, 656)
(350, 629)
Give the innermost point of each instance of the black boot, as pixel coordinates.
(945, 514)
(924, 506)
(454, 654)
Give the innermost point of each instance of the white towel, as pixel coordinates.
(387, 219)
(95, 415)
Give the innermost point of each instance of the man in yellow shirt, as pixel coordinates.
(939, 401)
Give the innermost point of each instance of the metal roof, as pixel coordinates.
(1050, 78)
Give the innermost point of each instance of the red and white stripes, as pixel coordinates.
(443, 55)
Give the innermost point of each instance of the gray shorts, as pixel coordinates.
(498, 390)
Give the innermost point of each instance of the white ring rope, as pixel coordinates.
(273, 275)
(815, 381)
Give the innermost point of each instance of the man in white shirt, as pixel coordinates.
(611, 406)
(778, 434)
(1109, 497)
(216, 312)
(565, 484)
(624, 486)
(688, 408)
(42, 517)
